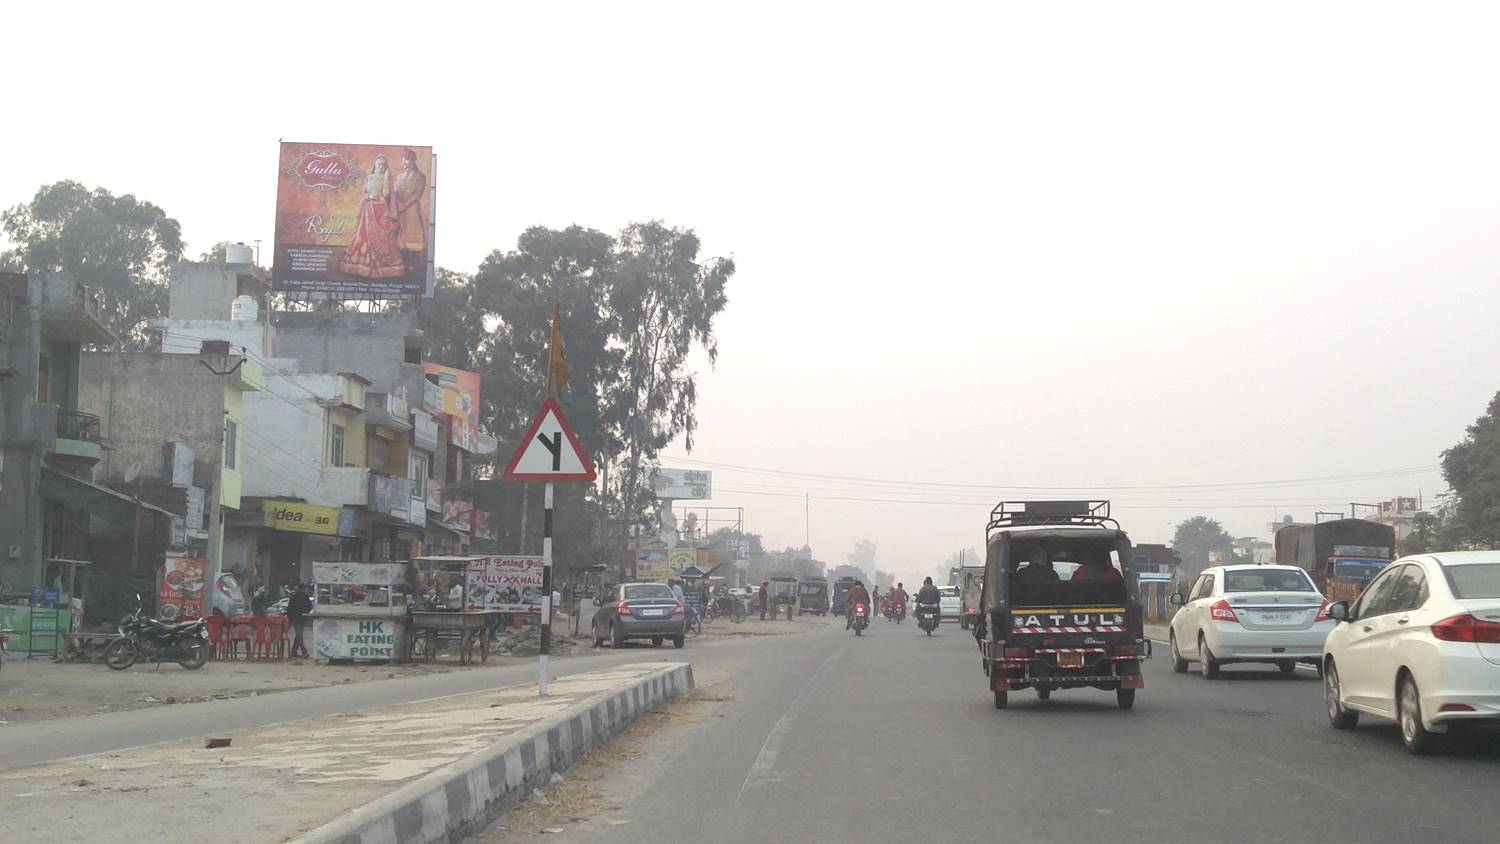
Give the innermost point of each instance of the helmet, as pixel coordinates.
(927, 582)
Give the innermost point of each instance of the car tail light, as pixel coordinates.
(1017, 653)
(1322, 612)
(1467, 628)
(1221, 611)
(1456, 707)
(677, 610)
(623, 608)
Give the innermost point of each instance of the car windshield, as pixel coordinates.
(1480, 580)
(649, 592)
(948, 592)
(1270, 580)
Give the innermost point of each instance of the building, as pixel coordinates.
(1398, 513)
(50, 507)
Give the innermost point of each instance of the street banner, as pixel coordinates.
(179, 595)
(354, 221)
(506, 584)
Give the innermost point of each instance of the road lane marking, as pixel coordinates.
(765, 761)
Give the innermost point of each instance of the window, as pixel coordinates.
(1268, 580)
(336, 444)
(1205, 587)
(1474, 581)
(1376, 595)
(649, 592)
(231, 435)
(1410, 591)
(417, 471)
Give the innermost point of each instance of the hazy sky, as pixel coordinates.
(1132, 248)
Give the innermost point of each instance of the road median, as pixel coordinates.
(425, 771)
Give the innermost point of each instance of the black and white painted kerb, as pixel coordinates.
(546, 647)
(459, 799)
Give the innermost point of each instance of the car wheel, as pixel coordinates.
(1125, 698)
(963, 624)
(1338, 716)
(1417, 738)
(1179, 665)
(1002, 700)
(656, 641)
(1288, 667)
(1206, 662)
(679, 641)
(616, 638)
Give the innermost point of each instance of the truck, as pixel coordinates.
(1341, 555)
(970, 585)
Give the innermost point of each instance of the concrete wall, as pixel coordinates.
(373, 345)
(144, 399)
(204, 291)
(186, 336)
(286, 447)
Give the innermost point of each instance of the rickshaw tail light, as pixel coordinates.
(677, 610)
(1016, 653)
(623, 608)
(1221, 611)
(1124, 650)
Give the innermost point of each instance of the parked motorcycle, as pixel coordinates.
(928, 617)
(861, 619)
(725, 606)
(144, 639)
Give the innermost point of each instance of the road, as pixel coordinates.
(830, 738)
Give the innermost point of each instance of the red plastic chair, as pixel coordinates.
(242, 633)
(218, 636)
(268, 637)
(280, 626)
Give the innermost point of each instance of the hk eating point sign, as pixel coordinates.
(354, 221)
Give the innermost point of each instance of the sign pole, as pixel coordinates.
(546, 587)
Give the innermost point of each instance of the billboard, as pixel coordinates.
(354, 221)
(459, 389)
(506, 584)
(179, 594)
(682, 484)
(651, 563)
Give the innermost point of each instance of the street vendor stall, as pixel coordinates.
(447, 608)
(361, 610)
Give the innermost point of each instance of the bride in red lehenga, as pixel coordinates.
(374, 252)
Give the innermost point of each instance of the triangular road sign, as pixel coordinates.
(550, 450)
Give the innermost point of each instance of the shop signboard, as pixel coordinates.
(460, 400)
(356, 638)
(301, 518)
(424, 433)
(457, 515)
(435, 495)
(416, 512)
(180, 593)
(389, 495)
(348, 522)
(506, 584)
(681, 558)
(354, 221)
(651, 563)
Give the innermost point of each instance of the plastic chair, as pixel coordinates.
(218, 636)
(241, 632)
(280, 626)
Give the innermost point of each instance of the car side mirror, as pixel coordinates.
(1177, 600)
(1339, 610)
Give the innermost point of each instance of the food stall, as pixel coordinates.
(361, 610)
(450, 606)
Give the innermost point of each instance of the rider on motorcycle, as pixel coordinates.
(929, 594)
(857, 595)
(900, 594)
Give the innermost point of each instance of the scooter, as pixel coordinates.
(928, 616)
(861, 619)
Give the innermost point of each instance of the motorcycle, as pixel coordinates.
(861, 619)
(726, 606)
(928, 616)
(144, 639)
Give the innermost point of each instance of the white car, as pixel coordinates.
(1267, 614)
(1420, 647)
(948, 604)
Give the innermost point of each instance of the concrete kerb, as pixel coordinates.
(460, 798)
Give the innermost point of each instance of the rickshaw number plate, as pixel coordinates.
(1070, 660)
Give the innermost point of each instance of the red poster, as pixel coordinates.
(179, 593)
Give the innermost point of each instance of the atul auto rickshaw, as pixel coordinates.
(1059, 606)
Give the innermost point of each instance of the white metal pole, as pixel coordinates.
(546, 588)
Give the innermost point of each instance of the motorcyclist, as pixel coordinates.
(857, 595)
(900, 594)
(929, 594)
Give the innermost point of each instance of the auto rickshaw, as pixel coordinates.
(783, 596)
(1059, 606)
(812, 597)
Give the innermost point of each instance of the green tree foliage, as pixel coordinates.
(1472, 469)
(119, 245)
(1427, 534)
(1196, 538)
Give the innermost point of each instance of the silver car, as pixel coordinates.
(639, 611)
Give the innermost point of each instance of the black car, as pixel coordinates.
(639, 611)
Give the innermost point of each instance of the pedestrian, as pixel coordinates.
(764, 594)
(259, 601)
(677, 591)
(297, 608)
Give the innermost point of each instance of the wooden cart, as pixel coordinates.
(426, 628)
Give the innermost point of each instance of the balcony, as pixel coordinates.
(72, 313)
(78, 437)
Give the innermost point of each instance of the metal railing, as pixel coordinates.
(72, 425)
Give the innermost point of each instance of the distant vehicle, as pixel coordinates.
(1420, 647)
(639, 611)
(1269, 614)
(970, 586)
(860, 619)
(1342, 556)
(949, 605)
(227, 597)
(840, 604)
(812, 596)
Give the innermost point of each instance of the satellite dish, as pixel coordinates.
(133, 472)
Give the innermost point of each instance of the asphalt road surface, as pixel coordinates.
(893, 737)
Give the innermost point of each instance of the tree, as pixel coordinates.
(1196, 538)
(119, 245)
(664, 301)
(1427, 535)
(1472, 470)
(215, 254)
(863, 555)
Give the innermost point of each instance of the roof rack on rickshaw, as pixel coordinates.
(1021, 513)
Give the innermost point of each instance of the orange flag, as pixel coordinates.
(557, 362)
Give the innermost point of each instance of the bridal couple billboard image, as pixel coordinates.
(354, 221)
